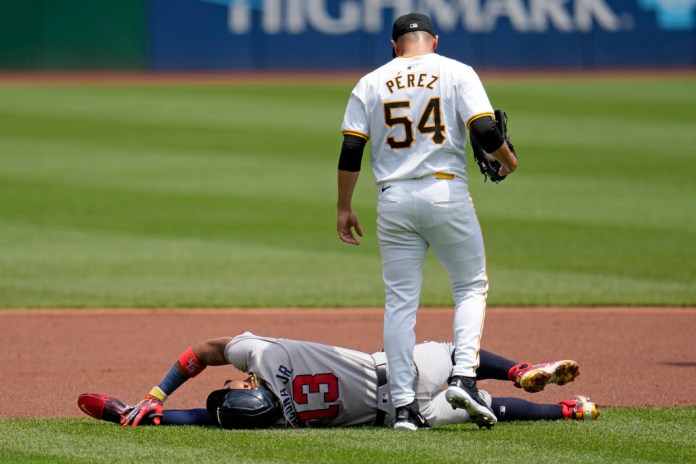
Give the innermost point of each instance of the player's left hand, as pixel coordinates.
(496, 166)
(504, 171)
(150, 406)
(347, 221)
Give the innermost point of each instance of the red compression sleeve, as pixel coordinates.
(190, 363)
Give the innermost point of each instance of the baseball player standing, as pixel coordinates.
(416, 110)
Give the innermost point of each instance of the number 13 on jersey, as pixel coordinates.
(322, 386)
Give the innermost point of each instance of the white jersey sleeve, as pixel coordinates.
(355, 120)
(415, 112)
(317, 385)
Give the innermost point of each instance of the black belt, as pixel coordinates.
(381, 381)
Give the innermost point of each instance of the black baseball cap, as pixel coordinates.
(411, 22)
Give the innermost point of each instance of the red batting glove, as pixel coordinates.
(150, 406)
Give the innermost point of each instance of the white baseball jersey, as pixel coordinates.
(415, 112)
(326, 386)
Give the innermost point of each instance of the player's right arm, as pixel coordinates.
(349, 164)
(355, 135)
(347, 220)
(212, 352)
(191, 363)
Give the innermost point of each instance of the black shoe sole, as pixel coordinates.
(480, 415)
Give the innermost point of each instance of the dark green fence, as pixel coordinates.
(73, 34)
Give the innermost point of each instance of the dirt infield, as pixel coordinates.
(282, 77)
(628, 356)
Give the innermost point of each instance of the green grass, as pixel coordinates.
(224, 195)
(619, 435)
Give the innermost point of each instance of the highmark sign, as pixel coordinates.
(339, 17)
(354, 34)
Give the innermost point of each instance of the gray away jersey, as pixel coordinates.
(317, 385)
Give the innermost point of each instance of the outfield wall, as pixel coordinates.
(74, 34)
(341, 34)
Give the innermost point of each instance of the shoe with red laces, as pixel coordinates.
(579, 408)
(534, 377)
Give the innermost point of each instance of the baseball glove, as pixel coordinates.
(488, 165)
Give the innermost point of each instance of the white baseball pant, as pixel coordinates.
(412, 216)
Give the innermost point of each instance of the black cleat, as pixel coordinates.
(462, 393)
(409, 418)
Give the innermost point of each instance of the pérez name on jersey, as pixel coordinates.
(411, 80)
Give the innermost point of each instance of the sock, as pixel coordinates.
(187, 417)
(492, 366)
(516, 409)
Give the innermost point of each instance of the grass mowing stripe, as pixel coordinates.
(175, 271)
(191, 188)
(585, 289)
(666, 435)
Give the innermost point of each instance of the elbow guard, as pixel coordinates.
(486, 134)
(351, 153)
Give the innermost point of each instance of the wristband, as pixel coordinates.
(190, 363)
(184, 368)
(157, 392)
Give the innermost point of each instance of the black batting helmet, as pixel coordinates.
(252, 408)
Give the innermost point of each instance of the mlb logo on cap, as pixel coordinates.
(411, 22)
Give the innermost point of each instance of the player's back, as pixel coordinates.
(317, 385)
(418, 108)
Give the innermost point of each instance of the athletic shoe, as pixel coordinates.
(534, 377)
(103, 407)
(409, 418)
(462, 393)
(579, 408)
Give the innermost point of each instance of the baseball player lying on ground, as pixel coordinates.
(305, 384)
